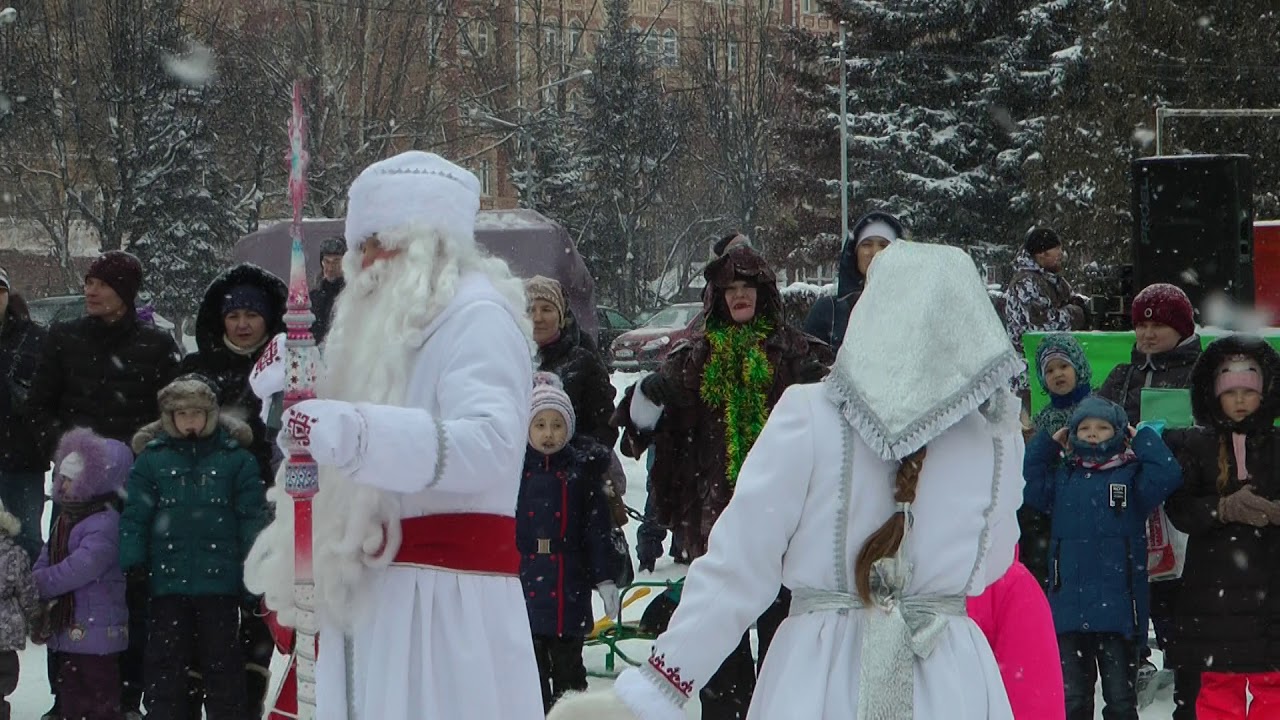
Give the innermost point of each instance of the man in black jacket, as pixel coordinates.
(22, 466)
(329, 286)
(104, 371)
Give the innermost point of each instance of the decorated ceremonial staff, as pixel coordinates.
(301, 475)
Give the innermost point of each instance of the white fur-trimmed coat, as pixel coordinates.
(428, 644)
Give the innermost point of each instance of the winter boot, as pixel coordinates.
(1147, 685)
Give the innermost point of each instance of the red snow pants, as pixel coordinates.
(1222, 696)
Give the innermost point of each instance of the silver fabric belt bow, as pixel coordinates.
(897, 631)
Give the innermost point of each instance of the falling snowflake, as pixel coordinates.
(1144, 137)
(195, 68)
(8, 16)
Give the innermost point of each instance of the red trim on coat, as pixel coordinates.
(463, 542)
(564, 528)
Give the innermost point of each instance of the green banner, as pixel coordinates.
(1171, 405)
(1105, 350)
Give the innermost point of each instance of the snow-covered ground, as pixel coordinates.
(32, 696)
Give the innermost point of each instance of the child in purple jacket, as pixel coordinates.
(78, 575)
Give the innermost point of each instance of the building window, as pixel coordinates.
(480, 39)
(670, 48)
(652, 46)
(731, 55)
(709, 49)
(573, 101)
(807, 7)
(575, 38)
(486, 177)
(551, 39)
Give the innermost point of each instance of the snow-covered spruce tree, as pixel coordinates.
(548, 170)
(944, 113)
(183, 213)
(1135, 56)
(629, 135)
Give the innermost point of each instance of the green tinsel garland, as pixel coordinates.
(737, 378)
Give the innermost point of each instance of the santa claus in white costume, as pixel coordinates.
(419, 432)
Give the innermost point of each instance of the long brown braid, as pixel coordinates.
(1224, 464)
(884, 542)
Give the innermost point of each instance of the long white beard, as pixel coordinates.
(370, 354)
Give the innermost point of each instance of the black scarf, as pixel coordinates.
(62, 612)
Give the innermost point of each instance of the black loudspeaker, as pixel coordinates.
(1193, 225)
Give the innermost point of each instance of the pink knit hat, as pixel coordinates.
(1238, 371)
(548, 394)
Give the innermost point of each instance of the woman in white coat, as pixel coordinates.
(882, 496)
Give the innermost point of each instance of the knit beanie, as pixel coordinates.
(1040, 239)
(548, 290)
(1238, 371)
(1166, 304)
(333, 246)
(189, 392)
(1064, 346)
(246, 297)
(1096, 407)
(121, 272)
(548, 394)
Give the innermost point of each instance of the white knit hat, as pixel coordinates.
(412, 188)
(548, 394)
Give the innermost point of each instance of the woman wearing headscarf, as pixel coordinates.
(702, 411)
(882, 497)
(829, 316)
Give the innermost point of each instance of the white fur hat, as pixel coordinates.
(412, 188)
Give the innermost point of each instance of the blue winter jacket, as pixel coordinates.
(563, 534)
(1098, 542)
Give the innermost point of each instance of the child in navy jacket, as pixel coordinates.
(562, 532)
(1098, 496)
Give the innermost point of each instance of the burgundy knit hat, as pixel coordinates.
(120, 271)
(1166, 304)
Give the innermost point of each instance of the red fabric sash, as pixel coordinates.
(463, 542)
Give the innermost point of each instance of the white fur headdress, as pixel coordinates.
(412, 188)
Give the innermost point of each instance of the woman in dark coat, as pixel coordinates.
(736, 368)
(243, 309)
(568, 353)
(829, 316)
(1227, 618)
(22, 465)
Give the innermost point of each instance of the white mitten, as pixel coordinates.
(595, 705)
(333, 431)
(610, 597)
(633, 697)
(268, 376)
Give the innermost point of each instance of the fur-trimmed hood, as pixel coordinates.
(10, 526)
(209, 326)
(1204, 401)
(235, 428)
(742, 263)
(96, 466)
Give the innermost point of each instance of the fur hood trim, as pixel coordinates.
(236, 429)
(95, 465)
(10, 526)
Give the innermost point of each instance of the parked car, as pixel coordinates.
(61, 308)
(612, 324)
(647, 346)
